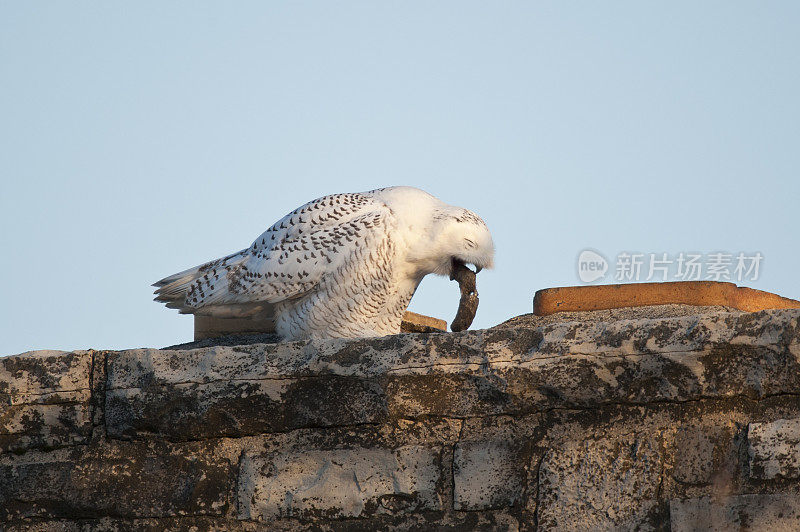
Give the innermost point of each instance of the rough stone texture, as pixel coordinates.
(703, 453)
(487, 474)
(742, 512)
(600, 484)
(648, 419)
(338, 483)
(44, 400)
(122, 480)
(774, 449)
(222, 391)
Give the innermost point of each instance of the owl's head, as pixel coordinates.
(436, 234)
(462, 236)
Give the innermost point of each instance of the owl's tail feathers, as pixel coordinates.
(188, 290)
(172, 290)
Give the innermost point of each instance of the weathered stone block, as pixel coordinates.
(778, 512)
(774, 449)
(488, 474)
(198, 410)
(128, 481)
(449, 394)
(701, 453)
(44, 400)
(338, 483)
(600, 484)
(577, 364)
(181, 396)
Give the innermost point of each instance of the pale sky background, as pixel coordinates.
(139, 139)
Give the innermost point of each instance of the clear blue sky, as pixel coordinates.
(138, 139)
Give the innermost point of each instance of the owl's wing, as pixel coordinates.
(288, 260)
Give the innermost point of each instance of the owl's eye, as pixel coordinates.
(470, 243)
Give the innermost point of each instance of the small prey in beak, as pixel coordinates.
(468, 305)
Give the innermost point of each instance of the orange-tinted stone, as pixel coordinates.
(698, 293)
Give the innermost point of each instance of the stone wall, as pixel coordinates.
(683, 420)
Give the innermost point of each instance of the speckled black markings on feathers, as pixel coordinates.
(286, 237)
(345, 265)
(314, 236)
(368, 294)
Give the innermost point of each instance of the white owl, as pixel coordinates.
(343, 266)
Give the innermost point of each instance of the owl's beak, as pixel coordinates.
(455, 263)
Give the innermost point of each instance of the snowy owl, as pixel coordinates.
(341, 266)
